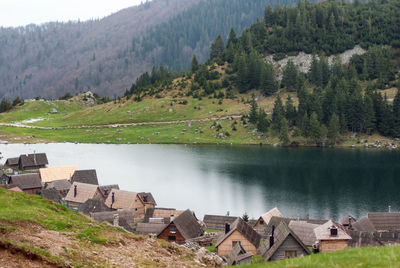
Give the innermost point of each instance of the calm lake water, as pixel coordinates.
(216, 179)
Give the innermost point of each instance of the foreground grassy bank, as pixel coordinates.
(358, 257)
(35, 232)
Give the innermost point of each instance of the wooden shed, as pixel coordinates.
(238, 256)
(150, 228)
(79, 193)
(331, 237)
(182, 228)
(304, 231)
(12, 162)
(238, 233)
(264, 219)
(283, 244)
(126, 200)
(32, 161)
(29, 183)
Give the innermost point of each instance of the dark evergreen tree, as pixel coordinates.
(194, 65)
(262, 121)
(396, 114)
(253, 116)
(217, 48)
(5, 105)
(315, 128)
(289, 78)
(277, 114)
(284, 132)
(290, 113)
(334, 129)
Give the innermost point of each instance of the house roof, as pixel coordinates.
(305, 231)
(246, 230)
(84, 192)
(217, 222)
(106, 189)
(60, 185)
(150, 228)
(92, 206)
(323, 232)
(275, 221)
(52, 194)
(187, 225)
(364, 225)
(280, 234)
(164, 213)
(27, 181)
(237, 255)
(273, 212)
(147, 198)
(126, 218)
(56, 173)
(385, 221)
(345, 220)
(122, 199)
(85, 176)
(14, 161)
(11, 187)
(33, 160)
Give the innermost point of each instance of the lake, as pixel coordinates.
(320, 183)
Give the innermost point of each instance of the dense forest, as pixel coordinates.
(106, 55)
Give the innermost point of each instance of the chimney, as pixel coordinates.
(75, 190)
(112, 199)
(271, 237)
(105, 192)
(227, 227)
(116, 220)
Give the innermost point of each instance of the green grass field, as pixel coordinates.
(388, 256)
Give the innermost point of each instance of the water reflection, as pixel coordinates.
(217, 179)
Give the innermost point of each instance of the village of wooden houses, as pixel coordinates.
(232, 240)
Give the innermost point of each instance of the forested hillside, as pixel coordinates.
(105, 56)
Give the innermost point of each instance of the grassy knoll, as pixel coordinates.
(359, 257)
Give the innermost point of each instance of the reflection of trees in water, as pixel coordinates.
(337, 180)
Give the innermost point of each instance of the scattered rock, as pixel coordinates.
(53, 111)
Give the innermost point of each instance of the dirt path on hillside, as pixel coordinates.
(116, 125)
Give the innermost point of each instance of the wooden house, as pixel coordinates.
(29, 183)
(182, 228)
(331, 237)
(106, 189)
(125, 200)
(62, 186)
(364, 225)
(238, 233)
(217, 222)
(304, 231)
(56, 173)
(347, 221)
(79, 193)
(238, 256)
(32, 161)
(264, 219)
(85, 176)
(122, 218)
(283, 244)
(12, 163)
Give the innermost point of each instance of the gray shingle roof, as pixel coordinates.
(126, 219)
(85, 176)
(385, 221)
(280, 235)
(106, 189)
(323, 232)
(345, 220)
(364, 225)
(33, 160)
(237, 254)
(52, 194)
(27, 181)
(246, 230)
(60, 185)
(187, 225)
(12, 162)
(305, 231)
(150, 228)
(147, 198)
(92, 206)
(217, 222)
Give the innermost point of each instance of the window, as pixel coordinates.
(172, 238)
(234, 243)
(262, 222)
(172, 230)
(290, 254)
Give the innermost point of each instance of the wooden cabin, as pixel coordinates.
(12, 163)
(29, 183)
(79, 193)
(181, 228)
(331, 237)
(238, 233)
(162, 214)
(150, 228)
(304, 231)
(32, 161)
(264, 219)
(283, 244)
(125, 200)
(56, 173)
(85, 176)
(217, 222)
(364, 225)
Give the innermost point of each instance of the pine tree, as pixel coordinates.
(334, 129)
(290, 112)
(253, 116)
(195, 64)
(396, 114)
(305, 127)
(284, 132)
(315, 128)
(289, 78)
(368, 115)
(242, 74)
(268, 83)
(5, 105)
(262, 121)
(232, 39)
(277, 114)
(315, 73)
(217, 48)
